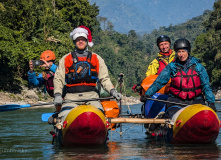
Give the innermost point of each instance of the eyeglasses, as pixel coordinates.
(81, 39)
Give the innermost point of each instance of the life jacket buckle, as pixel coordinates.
(75, 60)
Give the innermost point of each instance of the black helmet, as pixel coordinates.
(163, 38)
(182, 44)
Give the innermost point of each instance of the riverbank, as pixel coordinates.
(218, 95)
(34, 96)
(24, 96)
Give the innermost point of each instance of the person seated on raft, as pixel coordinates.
(189, 79)
(81, 70)
(164, 57)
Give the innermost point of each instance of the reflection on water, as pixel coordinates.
(24, 135)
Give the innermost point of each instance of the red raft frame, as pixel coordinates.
(84, 125)
(195, 124)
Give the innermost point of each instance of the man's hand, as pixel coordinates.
(212, 105)
(115, 94)
(58, 99)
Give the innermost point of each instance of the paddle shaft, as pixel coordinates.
(87, 100)
(137, 120)
(68, 101)
(96, 99)
(159, 100)
(180, 104)
(121, 82)
(11, 107)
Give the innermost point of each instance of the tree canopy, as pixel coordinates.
(208, 45)
(27, 28)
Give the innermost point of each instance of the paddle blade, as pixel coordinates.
(11, 107)
(45, 116)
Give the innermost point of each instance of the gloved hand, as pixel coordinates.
(144, 98)
(115, 94)
(212, 105)
(58, 99)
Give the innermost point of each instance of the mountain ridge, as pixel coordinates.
(144, 16)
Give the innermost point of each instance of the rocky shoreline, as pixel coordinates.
(218, 95)
(33, 96)
(130, 100)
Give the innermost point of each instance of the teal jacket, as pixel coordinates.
(170, 71)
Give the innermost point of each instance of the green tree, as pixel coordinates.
(208, 45)
(29, 27)
(78, 12)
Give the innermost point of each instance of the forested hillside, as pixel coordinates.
(146, 15)
(25, 33)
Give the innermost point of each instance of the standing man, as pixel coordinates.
(165, 56)
(81, 70)
(189, 80)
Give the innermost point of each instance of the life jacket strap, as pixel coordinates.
(80, 89)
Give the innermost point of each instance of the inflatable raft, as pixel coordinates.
(84, 125)
(192, 124)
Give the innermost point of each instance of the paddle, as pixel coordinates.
(159, 100)
(180, 104)
(137, 120)
(45, 116)
(11, 107)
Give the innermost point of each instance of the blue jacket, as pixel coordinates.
(170, 71)
(39, 80)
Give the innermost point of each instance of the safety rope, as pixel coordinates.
(123, 131)
(126, 129)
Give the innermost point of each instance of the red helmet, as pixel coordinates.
(48, 55)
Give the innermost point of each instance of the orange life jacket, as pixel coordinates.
(81, 73)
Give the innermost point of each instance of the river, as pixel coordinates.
(24, 136)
